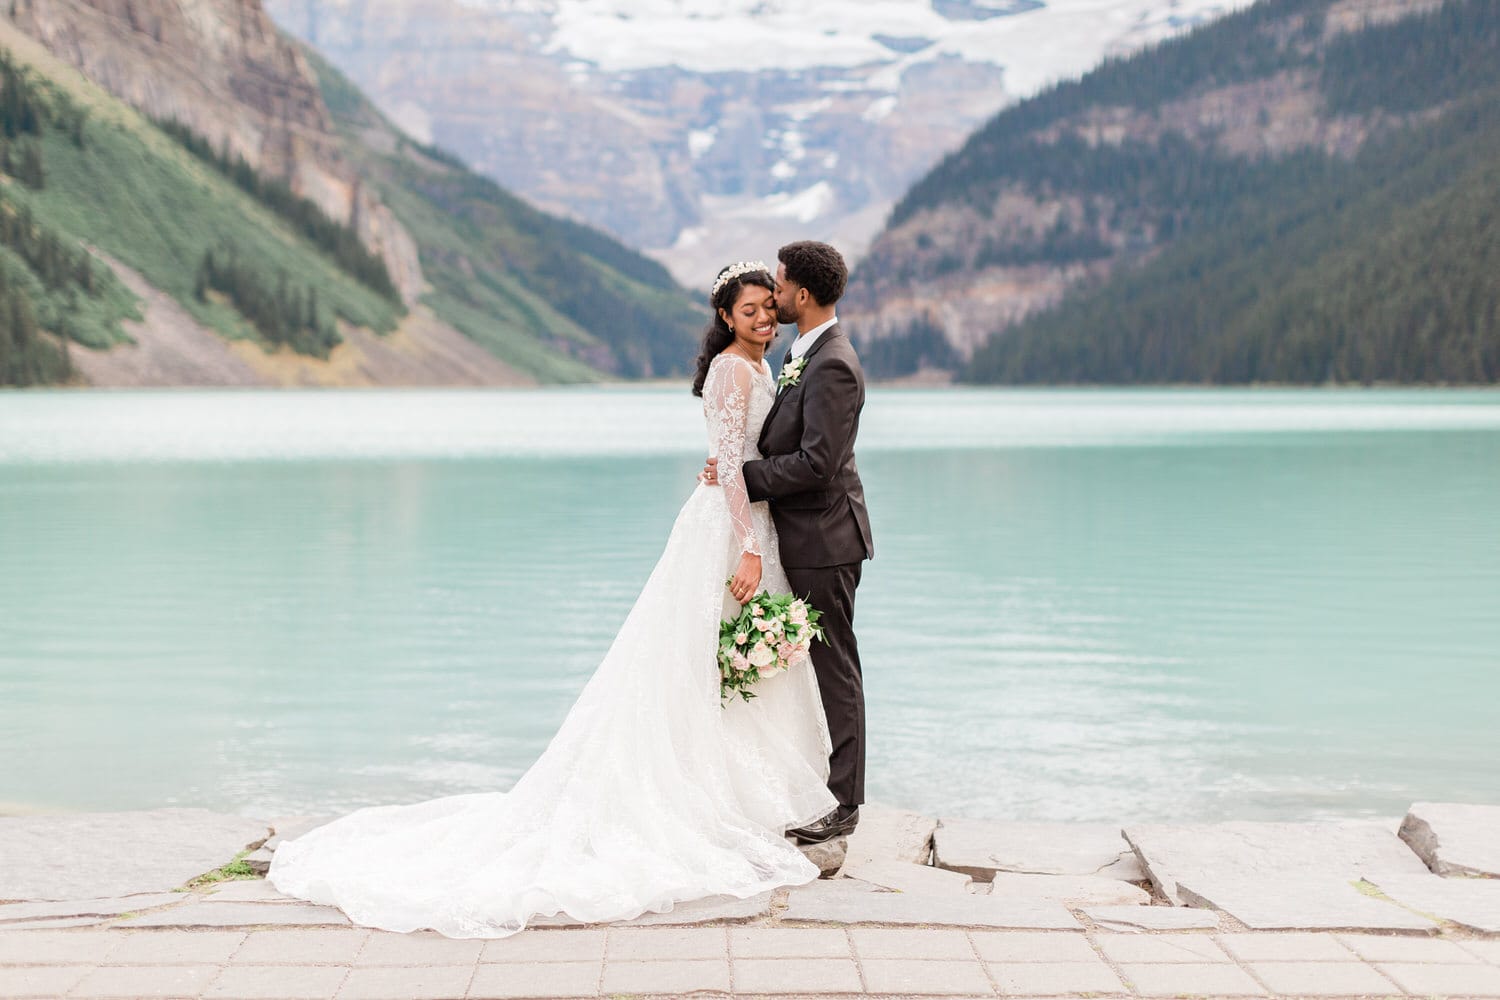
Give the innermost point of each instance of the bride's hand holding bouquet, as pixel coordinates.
(772, 634)
(746, 577)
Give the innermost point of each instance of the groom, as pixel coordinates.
(818, 502)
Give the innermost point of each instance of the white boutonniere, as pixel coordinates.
(791, 372)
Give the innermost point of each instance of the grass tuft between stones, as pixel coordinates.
(237, 870)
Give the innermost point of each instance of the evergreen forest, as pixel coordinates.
(1307, 266)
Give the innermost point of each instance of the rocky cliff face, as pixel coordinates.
(222, 68)
(703, 133)
(985, 240)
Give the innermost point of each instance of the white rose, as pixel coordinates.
(755, 610)
(798, 613)
(763, 625)
(761, 655)
(740, 638)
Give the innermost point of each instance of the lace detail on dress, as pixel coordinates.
(728, 392)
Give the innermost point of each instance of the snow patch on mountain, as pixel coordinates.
(1037, 43)
(696, 128)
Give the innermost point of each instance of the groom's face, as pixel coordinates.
(789, 297)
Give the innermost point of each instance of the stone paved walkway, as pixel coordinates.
(135, 905)
(739, 961)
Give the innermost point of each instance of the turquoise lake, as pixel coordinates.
(1085, 605)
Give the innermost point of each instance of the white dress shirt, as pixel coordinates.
(804, 341)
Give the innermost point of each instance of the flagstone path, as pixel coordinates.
(96, 906)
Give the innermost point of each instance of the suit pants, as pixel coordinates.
(830, 590)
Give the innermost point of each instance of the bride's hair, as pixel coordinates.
(717, 335)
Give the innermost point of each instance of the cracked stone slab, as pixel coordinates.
(1455, 838)
(292, 827)
(983, 847)
(699, 911)
(1152, 918)
(887, 834)
(903, 876)
(1470, 902)
(829, 902)
(111, 907)
(1228, 854)
(79, 856)
(703, 911)
(259, 860)
(248, 890)
(1299, 903)
(216, 914)
(58, 924)
(1075, 890)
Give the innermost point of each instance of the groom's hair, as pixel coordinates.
(817, 267)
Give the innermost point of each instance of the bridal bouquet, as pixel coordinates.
(772, 634)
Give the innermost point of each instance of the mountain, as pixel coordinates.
(705, 132)
(181, 204)
(551, 296)
(223, 70)
(1302, 192)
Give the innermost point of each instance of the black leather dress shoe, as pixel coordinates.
(839, 823)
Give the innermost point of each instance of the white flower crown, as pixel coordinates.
(738, 270)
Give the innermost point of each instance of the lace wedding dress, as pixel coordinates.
(651, 793)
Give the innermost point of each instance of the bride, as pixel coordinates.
(651, 793)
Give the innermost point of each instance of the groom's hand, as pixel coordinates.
(710, 474)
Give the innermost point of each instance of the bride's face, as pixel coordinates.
(752, 318)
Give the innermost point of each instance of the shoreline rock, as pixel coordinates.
(1454, 839)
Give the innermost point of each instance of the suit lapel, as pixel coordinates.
(822, 341)
(781, 394)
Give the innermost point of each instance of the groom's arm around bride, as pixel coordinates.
(809, 476)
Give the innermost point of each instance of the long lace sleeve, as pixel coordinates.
(726, 401)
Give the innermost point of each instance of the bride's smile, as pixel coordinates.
(752, 320)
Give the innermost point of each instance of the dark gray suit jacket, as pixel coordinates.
(808, 472)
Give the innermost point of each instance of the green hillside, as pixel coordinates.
(547, 295)
(103, 176)
(251, 260)
(1297, 266)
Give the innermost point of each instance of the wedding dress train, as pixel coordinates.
(651, 793)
